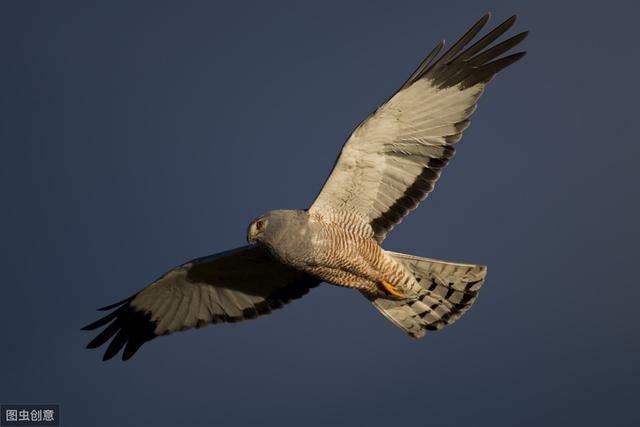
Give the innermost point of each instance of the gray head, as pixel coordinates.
(277, 226)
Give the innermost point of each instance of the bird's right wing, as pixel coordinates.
(395, 156)
(227, 287)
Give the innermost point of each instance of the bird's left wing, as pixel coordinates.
(227, 287)
(394, 157)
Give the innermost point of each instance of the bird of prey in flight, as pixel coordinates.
(388, 165)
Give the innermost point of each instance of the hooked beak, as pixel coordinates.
(251, 233)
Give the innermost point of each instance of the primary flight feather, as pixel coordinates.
(388, 165)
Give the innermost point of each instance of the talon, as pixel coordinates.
(389, 289)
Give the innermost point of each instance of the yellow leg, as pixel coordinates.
(389, 289)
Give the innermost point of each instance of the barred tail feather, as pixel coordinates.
(448, 291)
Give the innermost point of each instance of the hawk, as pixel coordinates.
(388, 165)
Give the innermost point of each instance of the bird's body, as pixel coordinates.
(388, 165)
(346, 256)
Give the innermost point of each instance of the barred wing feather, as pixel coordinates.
(393, 158)
(227, 287)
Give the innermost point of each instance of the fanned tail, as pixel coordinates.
(448, 291)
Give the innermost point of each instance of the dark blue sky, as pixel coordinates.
(137, 135)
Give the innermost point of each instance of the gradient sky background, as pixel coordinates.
(137, 135)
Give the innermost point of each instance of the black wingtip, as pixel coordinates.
(116, 304)
(132, 347)
(126, 328)
(100, 322)
(93, 344)
(115, 345)
(488, 71)
(455, 65)
(467, 66)
(508, 23)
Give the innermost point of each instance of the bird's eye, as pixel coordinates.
(260, 225)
